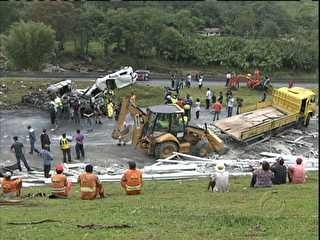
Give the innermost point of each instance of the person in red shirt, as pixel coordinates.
(297, 173)
(132, 180)
(216, 107)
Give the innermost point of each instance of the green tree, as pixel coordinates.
(8, 14)
(171, 43)
(61, 16)
(29, 44)
(87, 27)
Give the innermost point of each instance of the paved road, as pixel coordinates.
(159, 81)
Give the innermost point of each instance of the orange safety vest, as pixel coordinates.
(64, 143)
(11, 186)
(132, 181)
(90, 185)
(59, 185)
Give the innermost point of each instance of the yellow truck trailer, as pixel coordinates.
(288, 106)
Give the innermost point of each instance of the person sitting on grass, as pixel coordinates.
(60, 186)
(262, 177)
(280, 172)
(297, 173)
(90, 185)
(132, 180)
(220, 179)
(11, 188)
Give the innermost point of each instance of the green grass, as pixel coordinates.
(173, 210)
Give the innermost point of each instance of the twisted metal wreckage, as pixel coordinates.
(175, 167)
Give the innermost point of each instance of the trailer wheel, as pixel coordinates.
(165, 149)
(308, 120)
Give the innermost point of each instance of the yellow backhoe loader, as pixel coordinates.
(163, 129)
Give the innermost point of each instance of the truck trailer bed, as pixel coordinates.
(236, 125)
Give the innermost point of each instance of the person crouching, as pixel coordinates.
(132, 180)
(90, 185)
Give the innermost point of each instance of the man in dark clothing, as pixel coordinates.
(79, 144)
(53, 113)
(17, 148)
(279, 171)
(32, 139)
(220, 97)
(47, 159)
(45, 140)
(76, 111)
(88, 114)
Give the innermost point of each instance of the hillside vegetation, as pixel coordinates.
(273, 36)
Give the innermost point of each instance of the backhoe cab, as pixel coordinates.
(164, 130)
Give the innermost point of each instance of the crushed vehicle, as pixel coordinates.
(163, 129)
(289, 106)
(60, 88)
(119, 79)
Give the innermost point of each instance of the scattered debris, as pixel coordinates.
(33, 222)
(11, 202)
(102, 226)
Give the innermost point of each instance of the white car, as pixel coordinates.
(119, 79)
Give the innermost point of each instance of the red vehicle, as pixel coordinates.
(143, 75)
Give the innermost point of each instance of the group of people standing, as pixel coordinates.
(70, 107)
(45, 152)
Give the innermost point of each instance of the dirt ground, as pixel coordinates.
(102, 150)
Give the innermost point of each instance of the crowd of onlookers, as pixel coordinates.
(213, 102)
(264, 176)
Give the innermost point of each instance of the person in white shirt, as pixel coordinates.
(208, 98)
(228, 77)
(200, 81)
(220, 179)
(230, 105)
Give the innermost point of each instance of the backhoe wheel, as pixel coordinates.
(203, 151)
(165, 149)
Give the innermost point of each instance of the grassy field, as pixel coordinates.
(173, 210)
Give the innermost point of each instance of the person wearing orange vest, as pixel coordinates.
(11, 188)
(90, 185)
(65, 147)
(297, 173)
(60, 186)
(132, 180)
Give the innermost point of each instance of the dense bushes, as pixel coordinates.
(267, 35)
